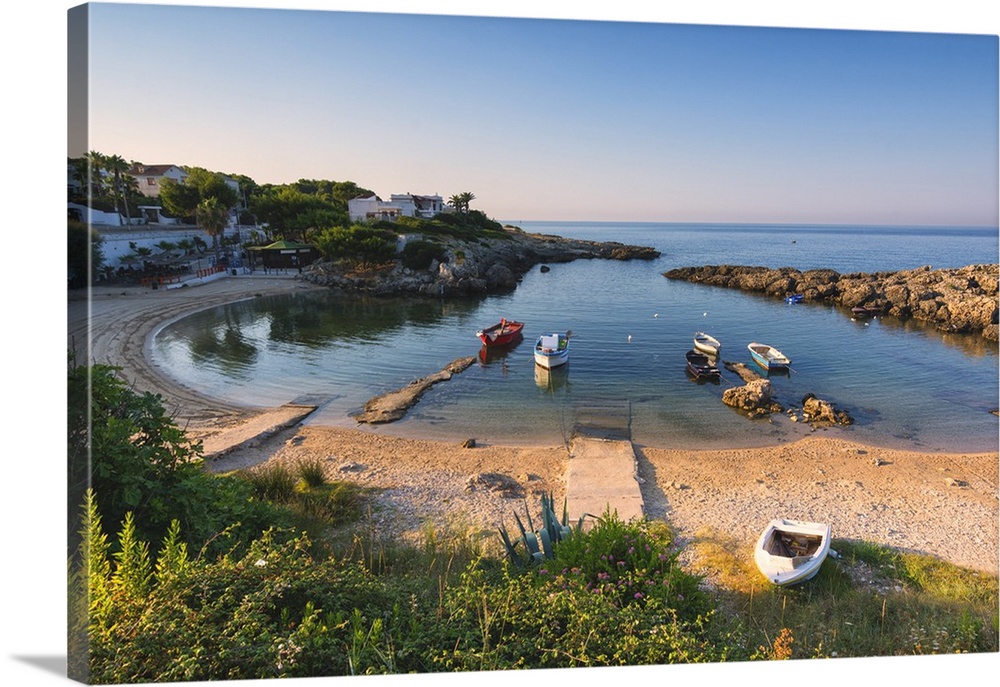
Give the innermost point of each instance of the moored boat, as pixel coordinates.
(791, 551)
(794, 298)
(502, 333)
(768, 357)
(862, 311)
(707, 344)
(552, 350)
(701, 365)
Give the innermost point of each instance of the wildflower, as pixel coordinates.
(260, 563)
(638, 595)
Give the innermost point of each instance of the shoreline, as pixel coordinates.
(941, 503)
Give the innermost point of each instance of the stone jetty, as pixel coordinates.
(392, 406)
(962, 300)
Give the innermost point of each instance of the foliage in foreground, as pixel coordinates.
(156, 602)
(124, 446)
(280, 611)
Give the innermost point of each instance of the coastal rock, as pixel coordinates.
(504, 485)
(963, 300)
(487, 264)
(753, 398)
(820, 412)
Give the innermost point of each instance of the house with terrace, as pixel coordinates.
(399, 205)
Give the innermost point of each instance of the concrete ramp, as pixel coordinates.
(254, 429)
(601, 476)
(602, 418)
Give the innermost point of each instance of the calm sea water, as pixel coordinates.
(905, 384)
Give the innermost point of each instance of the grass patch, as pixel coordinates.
(868, 601)
(314, 503)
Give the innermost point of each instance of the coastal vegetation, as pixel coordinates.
(313, 211)
(177, 574)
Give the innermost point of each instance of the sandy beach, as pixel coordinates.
(944, 504)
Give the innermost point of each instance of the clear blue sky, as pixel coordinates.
(742, 129)
(561, 119)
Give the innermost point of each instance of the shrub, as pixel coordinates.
(273, 482)
(611, 596)
(418, 255)
(312, 471)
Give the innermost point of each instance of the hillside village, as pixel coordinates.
(149, 225)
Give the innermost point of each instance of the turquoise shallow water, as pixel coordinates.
(905, 384)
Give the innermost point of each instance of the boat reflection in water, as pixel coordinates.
(551, 379)
(489, 355)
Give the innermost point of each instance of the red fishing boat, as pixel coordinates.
(504, 332)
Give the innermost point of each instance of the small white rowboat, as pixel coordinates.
(707, 344)
(791, 551)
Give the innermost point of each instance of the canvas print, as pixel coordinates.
(423, 344)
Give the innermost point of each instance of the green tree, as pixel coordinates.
(179, 200)
(182, 199)
(213, 217)
(290, 212)
(212, 185)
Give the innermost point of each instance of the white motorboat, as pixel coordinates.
(552, 350)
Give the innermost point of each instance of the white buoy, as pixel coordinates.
(704, 314)
(630, 338)
(656, 314)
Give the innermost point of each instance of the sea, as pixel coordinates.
(905, 384)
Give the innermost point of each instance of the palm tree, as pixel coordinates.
(119, 168)
(95, 181)
(460, 201)
(212, 216)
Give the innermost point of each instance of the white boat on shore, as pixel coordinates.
(707, 344)
(791, 551)
(552, 350)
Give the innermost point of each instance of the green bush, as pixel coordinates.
(419, 254)
(312, 471)
(358, 243)
(611, 596)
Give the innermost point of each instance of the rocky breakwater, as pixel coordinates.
(958, 300)
(489, 264)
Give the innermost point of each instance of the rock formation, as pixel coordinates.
(816, 411)
(486, 265)
(753, 398)
(957, 300)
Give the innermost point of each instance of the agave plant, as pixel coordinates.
(540, 544)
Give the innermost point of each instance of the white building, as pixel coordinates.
(150, 176)
(371, 209)
(399, 205)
